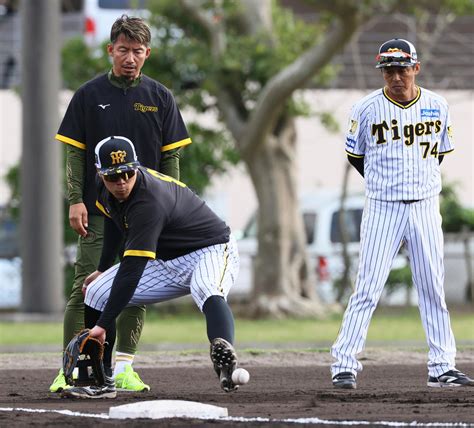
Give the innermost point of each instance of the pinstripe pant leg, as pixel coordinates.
(216, 272)
(203, 273)
(382, 230)
(425, 245)
(157, 284)
(98, 291)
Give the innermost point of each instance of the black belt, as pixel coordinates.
(411, 201)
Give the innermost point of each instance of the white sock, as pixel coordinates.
(121, 360)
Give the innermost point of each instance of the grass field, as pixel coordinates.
(391, 326)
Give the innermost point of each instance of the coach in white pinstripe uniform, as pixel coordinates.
(397, 139)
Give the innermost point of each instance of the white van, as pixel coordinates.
(321, 213)
(99, 15)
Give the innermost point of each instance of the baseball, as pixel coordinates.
(240, 376)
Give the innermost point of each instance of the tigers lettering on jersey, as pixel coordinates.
(381, 131)
(143, 108)
(401, 144)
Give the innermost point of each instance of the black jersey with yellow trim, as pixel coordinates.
(162, 218)
(147, 114)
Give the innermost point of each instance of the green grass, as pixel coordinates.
(387, 326)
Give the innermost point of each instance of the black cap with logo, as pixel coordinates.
(115, 155)
(396, 53)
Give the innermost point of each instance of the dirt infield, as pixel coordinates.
(283, 385)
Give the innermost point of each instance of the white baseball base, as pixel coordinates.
(159, 409)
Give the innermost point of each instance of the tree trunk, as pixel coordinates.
(345, 282)
(283, 283)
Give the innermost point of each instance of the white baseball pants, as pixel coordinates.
(207, 272)
(385, 225)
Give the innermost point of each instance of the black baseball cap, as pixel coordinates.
(115, 155)
(396, 53)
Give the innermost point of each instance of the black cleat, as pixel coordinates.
(224, 358)
(450, 379)
(345, 380)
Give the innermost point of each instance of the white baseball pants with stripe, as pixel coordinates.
(385, 225)
(209, 271)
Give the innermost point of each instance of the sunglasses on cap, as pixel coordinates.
(113, 178)
(394, 57)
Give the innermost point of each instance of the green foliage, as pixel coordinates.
(216, 154)
(455, 217)
(244, 67)
(460, 7)
(80, 63)
(12, 179)
(329, 121)
(181, 64)
(388, 326)
(399, 278)
(14, 204)
(294, 37)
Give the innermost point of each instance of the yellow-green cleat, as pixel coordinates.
(59, 383)
(129, 380)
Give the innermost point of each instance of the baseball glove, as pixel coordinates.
(91, 348)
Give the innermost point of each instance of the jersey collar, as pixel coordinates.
(418, 94)
(122, 83)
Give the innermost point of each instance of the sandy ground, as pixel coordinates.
(270, 357)
(296, 385)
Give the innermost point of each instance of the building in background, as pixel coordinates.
(446, 52)
(444, 43)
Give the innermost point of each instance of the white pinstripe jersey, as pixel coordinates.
(400, 144)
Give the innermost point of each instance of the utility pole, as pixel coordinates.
(41, 191)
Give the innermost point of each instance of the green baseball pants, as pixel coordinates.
(129, 323)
